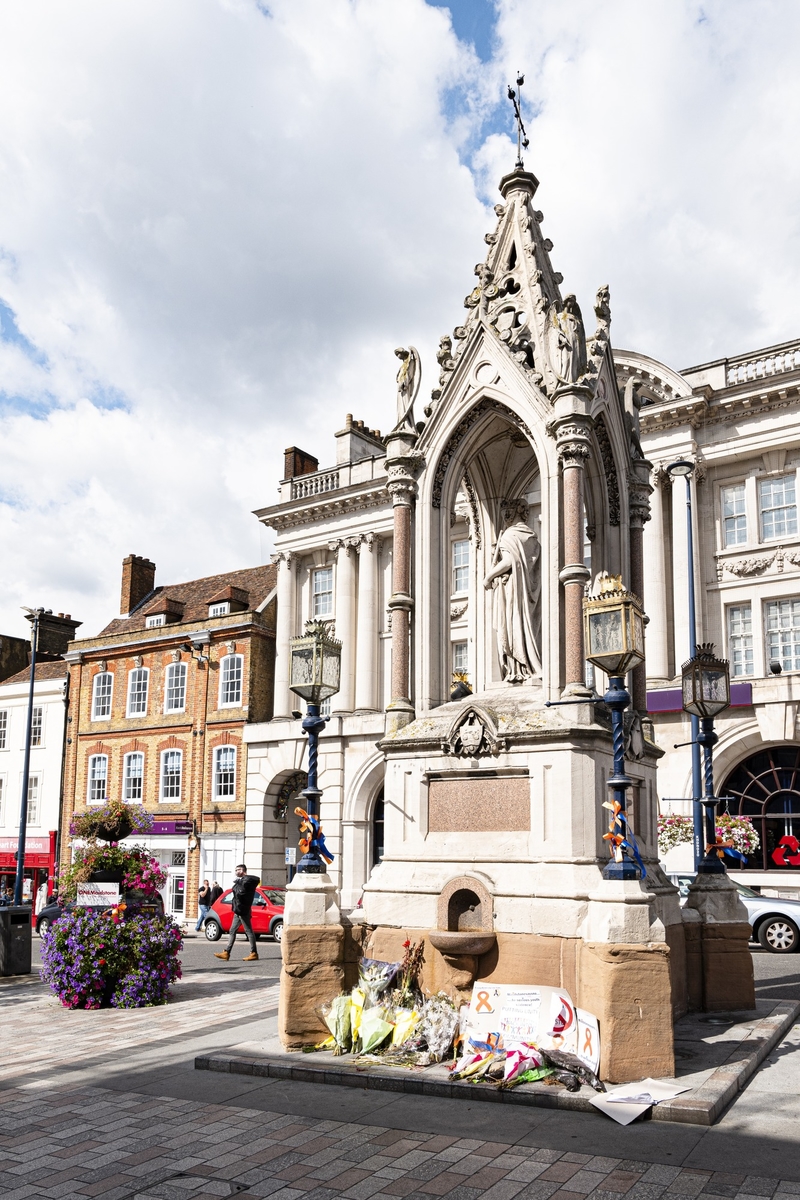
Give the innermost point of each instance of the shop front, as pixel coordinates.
(168, 842)
(39, 866)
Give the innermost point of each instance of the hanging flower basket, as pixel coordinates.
(114, 822)
(739, 831)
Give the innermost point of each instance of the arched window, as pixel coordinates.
(133, 777)
(224, 772)
(175, 689)
(377, 829)
(766, 788)
(101, 695)
(230, 681)
(98, 778)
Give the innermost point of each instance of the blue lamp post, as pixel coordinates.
(683, 468)
(706, 685)
(315, 673)
(614, 633)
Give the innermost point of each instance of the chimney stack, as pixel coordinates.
(298, 462)
(56, 631)
(138, 581)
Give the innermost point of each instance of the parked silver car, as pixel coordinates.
(775, 923)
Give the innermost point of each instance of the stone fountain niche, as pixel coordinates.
(466, 928)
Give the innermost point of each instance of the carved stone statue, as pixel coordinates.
(567, 341)
(633, 402)
(409, 378)
(515, 605)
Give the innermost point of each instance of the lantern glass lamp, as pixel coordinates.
(613, 626)
(316, 663)
(706, 683)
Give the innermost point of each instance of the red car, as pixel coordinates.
(267, 914)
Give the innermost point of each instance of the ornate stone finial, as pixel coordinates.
(409, 378)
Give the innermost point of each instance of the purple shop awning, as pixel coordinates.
(671, 699)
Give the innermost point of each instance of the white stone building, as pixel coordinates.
(738, 420)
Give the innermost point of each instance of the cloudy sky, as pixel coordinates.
(219, 217)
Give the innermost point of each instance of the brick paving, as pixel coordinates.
(46, 1033)
(94, 1142)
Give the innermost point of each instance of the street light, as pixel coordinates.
(34, 616)
(684, 468)
(315, 673)
(614, 635)
(706, 692)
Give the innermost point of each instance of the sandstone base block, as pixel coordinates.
(313, 972)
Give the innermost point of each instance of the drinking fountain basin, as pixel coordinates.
(457, 942)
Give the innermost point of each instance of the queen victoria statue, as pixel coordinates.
(514, 576)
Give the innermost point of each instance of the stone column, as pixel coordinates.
(655, 572)
(287, 602)
(573, 450)
(343, 701)
(638, 514)
(402, 464)
(367, 649)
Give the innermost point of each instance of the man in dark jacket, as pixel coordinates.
(244, 889)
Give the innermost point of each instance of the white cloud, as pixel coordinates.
(219, 221)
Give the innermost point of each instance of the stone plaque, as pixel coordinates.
(479, 804)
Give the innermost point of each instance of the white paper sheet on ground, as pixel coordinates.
(628, 1102)
(648, 1091)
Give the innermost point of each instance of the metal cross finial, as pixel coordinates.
(522, 137)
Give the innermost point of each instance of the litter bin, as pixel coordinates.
(15, 939)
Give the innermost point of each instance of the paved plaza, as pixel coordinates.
(107, 1104)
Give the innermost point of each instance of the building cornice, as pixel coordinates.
(356, 498)
(138, 639)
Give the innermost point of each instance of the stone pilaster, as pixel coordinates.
(286, 563)
(573, 449)
(403, 463)
(655, 570)
(345, 548)
(639, 514)
(369, 551)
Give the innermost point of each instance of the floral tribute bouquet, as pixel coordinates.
(93, 959)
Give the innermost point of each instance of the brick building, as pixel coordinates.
(158, 705)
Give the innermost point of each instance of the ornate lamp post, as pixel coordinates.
(683, 469)
(315, 673)
(614, 633)
(707, 692)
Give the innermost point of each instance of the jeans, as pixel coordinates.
(242, 919)
(205, 909)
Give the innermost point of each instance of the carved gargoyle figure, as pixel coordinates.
(444, 357)
(602, 306)
(567, 341)
(633, 402)
(409, 378)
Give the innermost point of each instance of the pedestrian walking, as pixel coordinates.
(216, 892)
(244, 889)
(203, 904)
